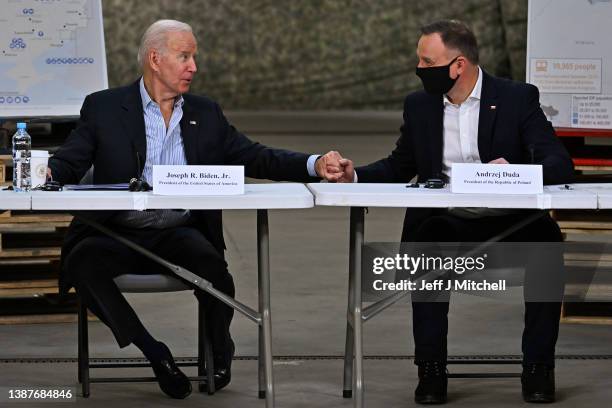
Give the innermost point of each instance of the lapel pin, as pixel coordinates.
(193, 122)
(493, 107)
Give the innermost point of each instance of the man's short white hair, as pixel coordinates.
(155, 37)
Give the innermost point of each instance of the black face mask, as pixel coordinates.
(437, 80)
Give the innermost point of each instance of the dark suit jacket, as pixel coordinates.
(515, 129)
(111, 128)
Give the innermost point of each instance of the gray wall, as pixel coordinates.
(313, 54)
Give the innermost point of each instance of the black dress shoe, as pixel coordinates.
(222, 377)
(170, 378)
(433, 383)
(538, 381)
(222, 371)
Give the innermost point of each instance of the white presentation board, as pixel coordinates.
(51, 56)
(569, 58)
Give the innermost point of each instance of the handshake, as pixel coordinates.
(334, 168)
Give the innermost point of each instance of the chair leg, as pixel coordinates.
(79, 343)
(205, 353)
(261, 376)
(83, 349)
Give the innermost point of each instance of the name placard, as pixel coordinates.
(497, 178)
(198, 180)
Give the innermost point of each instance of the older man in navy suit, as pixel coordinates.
(123, 132)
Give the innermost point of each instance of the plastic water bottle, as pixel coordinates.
(22, 145)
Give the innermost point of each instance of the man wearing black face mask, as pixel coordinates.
(468, 116)
(436, 79)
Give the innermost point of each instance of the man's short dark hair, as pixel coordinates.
(455, 34)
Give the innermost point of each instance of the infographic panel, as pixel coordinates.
(569, 59)
(51, 56)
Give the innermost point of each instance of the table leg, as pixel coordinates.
(356, 241)
(263, 272)
(347, 391)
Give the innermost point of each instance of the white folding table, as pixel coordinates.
(9, 200)
(603, 191)
(260, 197)
(357, 196)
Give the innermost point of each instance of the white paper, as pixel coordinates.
(496, 178)
(38, 167)
(198, 180)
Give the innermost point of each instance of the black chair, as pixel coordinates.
(133, 283)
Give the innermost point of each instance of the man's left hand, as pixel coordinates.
(501, 160)
(328, 166)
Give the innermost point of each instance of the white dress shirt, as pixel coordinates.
(460, 132)
(460, 138)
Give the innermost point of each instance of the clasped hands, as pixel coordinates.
(334, 168)
(337, 169)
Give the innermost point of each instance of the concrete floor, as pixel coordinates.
(309, 264)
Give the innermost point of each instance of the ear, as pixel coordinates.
(461, 65)
(154, 58)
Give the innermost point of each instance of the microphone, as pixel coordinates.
(137, 183)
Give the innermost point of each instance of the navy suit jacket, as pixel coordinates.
(111, 129)
(511, 125)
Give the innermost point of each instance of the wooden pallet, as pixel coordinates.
(30, 247)
(43, 308)
(31, 237)
(21, 217)
(28, 287)
(587, 313)
(5, 177)
(584, 222)
(593, 224)
(39, 318)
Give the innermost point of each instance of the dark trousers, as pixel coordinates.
(96, 260)
(430, 319)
